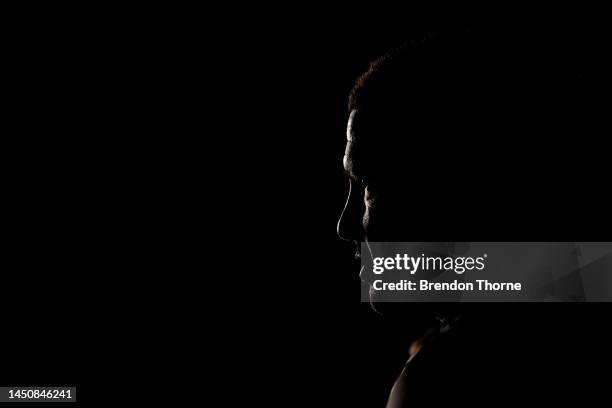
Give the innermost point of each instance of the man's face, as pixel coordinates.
(355, 220)
(394, 188)
(374, 211)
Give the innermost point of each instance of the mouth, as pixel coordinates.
(361, 263)
(358, 264)
(355, 260)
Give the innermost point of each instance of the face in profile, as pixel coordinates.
(398, 190)
(377, 208)
(405, 117)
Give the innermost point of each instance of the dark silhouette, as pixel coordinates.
(424, 122)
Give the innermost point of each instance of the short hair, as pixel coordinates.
(406, 74)
(446, 68)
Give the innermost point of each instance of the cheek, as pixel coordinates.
(369, 199)
(369, 220)
(378, 221)
(368, 206)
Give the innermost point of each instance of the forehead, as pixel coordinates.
(356, 154)
(350, 126)
(349, 152)
(376, 144)
(376, 127)
(362, 125)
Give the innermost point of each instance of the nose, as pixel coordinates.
(350, 224)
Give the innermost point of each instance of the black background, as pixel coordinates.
(338, 350)
(87, 164)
